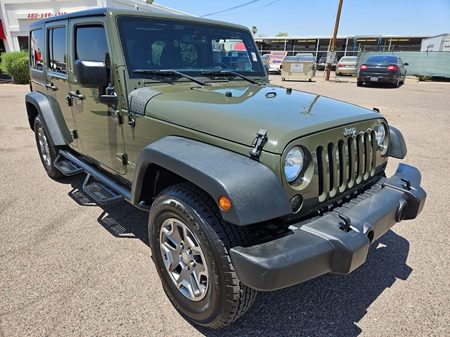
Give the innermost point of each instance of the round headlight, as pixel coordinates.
(293, 163)
(380, 135)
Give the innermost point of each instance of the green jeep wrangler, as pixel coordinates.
(249, 186)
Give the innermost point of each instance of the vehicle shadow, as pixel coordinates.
(330, 305)
(120, 219)
(382, 85)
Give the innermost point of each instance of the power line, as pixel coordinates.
(254, 9)
(269, 4)
(231, 8)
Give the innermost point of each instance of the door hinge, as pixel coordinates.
(116, 116)
(258, 144)
(124, 159)
(75, 134)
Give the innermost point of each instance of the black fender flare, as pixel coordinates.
(52, 118)
(397, 144)
(255, 191)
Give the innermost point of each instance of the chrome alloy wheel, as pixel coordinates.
(43, 146)
(184, 259)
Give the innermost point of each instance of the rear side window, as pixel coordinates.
(91, 44)
(37, 49)
(57, 50)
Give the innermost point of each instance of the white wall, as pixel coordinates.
(436, 43)
(17, 15)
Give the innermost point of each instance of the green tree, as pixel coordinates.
(254, 30)
(282, 34)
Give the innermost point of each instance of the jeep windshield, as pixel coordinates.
(196, 49)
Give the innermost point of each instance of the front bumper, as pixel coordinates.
(334, 243)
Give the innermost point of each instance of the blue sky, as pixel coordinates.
(316, 17)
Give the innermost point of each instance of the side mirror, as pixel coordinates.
(406, 64)
(91, 74)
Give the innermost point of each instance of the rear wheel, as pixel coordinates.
(190, 245)
(47, 151)
(359, 83)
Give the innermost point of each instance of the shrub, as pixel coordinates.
(20, 71)
(8, 58)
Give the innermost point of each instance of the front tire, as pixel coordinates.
(190, 245)
(47, 150)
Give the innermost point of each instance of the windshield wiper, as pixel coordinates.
(228, 73)
(168, 72)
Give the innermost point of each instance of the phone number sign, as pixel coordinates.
(43, 15)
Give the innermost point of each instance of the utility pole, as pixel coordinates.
(332, 45)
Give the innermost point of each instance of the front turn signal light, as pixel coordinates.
(224, 203)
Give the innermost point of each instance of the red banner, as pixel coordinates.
(2, 32)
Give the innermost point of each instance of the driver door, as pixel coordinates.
(100, 134)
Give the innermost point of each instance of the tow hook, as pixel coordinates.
(407, 184)
(346, 226)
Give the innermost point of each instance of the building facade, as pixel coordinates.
(17, 15)
(345, 45)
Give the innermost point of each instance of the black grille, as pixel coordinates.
(343, 164)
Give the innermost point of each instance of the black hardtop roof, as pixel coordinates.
(88, 12)
(102, 11)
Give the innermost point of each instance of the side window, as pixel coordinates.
(57, 60)
(232, 53)
(90, 43)
(37, 49)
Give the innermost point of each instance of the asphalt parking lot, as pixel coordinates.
(72, 268)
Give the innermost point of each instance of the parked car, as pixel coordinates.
(382, 69)
(347, 65)
(321, 64)
(275, 67)
(248, 186)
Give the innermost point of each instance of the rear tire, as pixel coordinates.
(220, 298)
(47, 150)
(359, 83)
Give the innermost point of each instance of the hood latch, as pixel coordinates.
(258, 144)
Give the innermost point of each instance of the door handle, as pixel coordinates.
(51, 86)
(76, 95)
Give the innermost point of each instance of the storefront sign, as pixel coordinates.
(35, 16)
(276, 57)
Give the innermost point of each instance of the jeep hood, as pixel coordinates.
(238, 113)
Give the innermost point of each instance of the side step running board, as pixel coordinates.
(97, 185)
(99, 192)
(66, 167)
